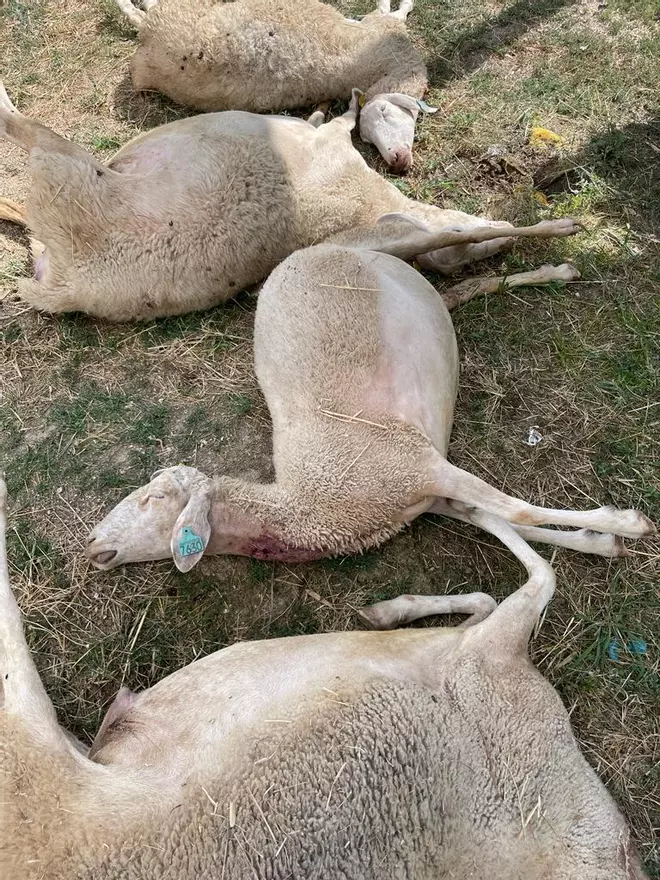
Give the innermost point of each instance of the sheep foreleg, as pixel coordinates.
(449, 260)
(449, 236)
(318, 116)
(27, 134)
(407, 236)
(21, 692)
(347, 120)
(404, 609)
(133, 14)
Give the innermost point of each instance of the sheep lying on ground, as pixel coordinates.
(263, 56)
(154, 234)
(356, 356)
(412, 754)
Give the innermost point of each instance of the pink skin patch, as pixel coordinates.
(40, 266)
(146, 157)
(269, 547)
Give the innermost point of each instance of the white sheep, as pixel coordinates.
(417, 754)
(153, 233)
(263, 56)
(356, 356)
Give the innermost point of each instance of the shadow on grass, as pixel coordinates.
(146, 110)
(465, 50)
(625, 164)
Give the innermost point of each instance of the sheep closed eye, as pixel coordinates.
(150, 497)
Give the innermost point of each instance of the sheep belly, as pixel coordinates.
(416, 378)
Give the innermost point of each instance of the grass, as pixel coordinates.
(89, 410)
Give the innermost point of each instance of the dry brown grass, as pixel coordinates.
(87, 410)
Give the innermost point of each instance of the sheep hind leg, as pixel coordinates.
(464, 490)
(12, 212)
(580, 540)
(471, 287)
(508, 629)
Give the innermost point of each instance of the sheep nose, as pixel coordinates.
(97, 555)
(402, 160)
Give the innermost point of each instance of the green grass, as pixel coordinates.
(240, 404)
(99, 142)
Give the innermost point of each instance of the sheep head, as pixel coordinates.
(167, 517)
(388, 122)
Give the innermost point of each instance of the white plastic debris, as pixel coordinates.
(533, 437)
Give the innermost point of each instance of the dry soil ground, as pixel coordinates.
(88, 410)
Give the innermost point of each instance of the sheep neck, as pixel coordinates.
(259, 520)
(407, 78)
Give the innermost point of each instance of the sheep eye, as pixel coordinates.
(150, 496)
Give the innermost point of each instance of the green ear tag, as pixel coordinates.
(426, 108)
(190, 543)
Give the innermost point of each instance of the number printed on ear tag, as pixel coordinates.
(189, 542)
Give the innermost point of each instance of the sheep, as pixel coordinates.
(356, 356)
(262, 56)
(153, 234)
(419, 753)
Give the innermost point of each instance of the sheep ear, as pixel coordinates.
(426, 108)
(192, 531)
(358, 100)
(405, 101)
